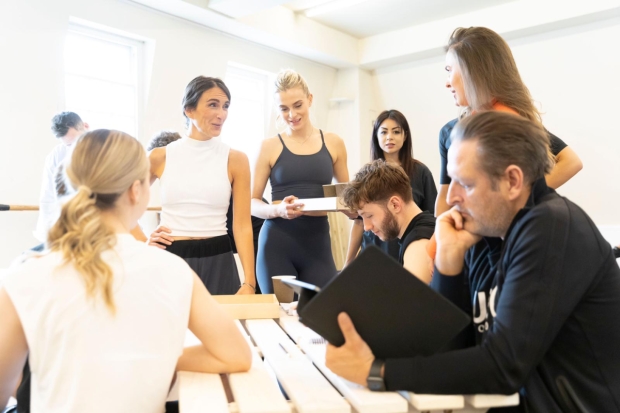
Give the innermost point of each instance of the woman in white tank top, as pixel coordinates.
(101, 316)
(198, 173)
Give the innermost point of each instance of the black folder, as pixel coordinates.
(393, 311)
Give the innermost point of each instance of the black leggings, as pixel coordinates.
(299, 247)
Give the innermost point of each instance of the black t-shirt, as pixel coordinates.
(421, 226)
(424, 195)
(556, 144)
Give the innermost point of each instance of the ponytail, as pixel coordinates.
(103, 166)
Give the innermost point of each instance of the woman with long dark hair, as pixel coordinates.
(391, 141)
(483, 75)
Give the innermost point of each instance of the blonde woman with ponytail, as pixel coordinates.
(102, 316)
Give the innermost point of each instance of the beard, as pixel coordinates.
(389, 227)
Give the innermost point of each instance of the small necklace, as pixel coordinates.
(305, 140)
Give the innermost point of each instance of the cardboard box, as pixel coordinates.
(333, 190)
(250, 306)
(330, 204)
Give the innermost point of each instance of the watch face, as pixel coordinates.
(375, 383)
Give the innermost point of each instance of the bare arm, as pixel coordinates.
(13, 348)
(223, 349)
(157, 158)
(138, 234)
(441, 205)
(355, 240)
(417, 261)
(567, 165)
(262, 170)
(341, 170)
(242, 222)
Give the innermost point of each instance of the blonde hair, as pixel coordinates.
(289, 79)
(104, 164)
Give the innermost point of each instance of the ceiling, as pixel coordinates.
(371, 17)
(369, 34)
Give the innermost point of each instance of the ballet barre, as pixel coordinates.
(296, 356)
(10, 207)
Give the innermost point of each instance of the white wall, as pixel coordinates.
(573, 73)
(31, 86)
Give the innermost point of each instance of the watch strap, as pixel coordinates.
(375, 381)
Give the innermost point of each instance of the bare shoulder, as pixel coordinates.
(237, 164)
(237, 156)
(271, 144)
(333, 138)
(157, 157)
(335, 146)
(334, 142)
(270, 150)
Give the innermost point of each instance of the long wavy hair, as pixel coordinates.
(405, 154)
(103, 166)
(489, 72)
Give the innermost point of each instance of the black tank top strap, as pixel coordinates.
(322, 140)
(281, 140)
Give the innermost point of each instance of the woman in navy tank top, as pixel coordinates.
(297, 162)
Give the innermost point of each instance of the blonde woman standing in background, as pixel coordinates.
(298, 162)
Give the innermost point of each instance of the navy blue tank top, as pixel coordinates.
(301, 175)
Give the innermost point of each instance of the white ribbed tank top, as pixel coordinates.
(195, 189)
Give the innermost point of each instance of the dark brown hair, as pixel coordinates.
(65, 120)
(506, 139)
(162, 138)
(405, 154)
(377, 182)
(195, 89)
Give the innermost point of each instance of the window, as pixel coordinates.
(101, 78)
(249, 115)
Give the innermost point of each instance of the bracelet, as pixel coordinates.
(249, 285)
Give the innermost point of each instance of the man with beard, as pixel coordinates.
(532, 269)
(381, 194)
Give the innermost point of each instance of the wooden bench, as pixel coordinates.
(295, 355)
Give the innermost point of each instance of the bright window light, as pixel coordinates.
(101, 79)
(248, 116)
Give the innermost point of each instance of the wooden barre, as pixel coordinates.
(5, 207)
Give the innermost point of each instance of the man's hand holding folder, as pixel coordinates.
(353, 359)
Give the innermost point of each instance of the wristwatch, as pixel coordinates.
(374, 380)
(616, 252)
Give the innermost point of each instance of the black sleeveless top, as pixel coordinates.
(301, 175)
(422, 226)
